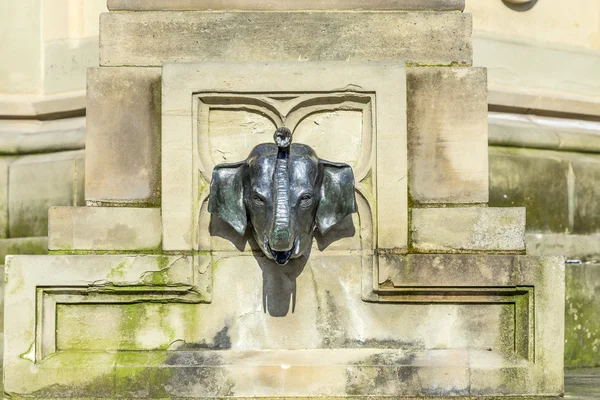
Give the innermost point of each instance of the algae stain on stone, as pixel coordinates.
(118, 272)
(29, 355)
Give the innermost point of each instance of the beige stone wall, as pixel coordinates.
(569, 23)
(46, 47)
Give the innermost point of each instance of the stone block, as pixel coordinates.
(582, 316)
(438, 270)
(123, 136)
(146, 39)
(536, 179)
(586, 194)
(99, 228)
(468, 229)
(29, 245)
(447, 131)
(205, 107)
(585, 248)
(258, 5)
(38, 182)
(142, 328)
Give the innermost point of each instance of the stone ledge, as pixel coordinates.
(111, 228)
(531, 131)
(284, 5)
(585, 248)
(42, 105)
(472, 229)
(146, 39)
(33, 136)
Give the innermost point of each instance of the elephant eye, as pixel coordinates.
(306, 200)
(258, 200)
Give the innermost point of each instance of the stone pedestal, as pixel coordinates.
(425, 291)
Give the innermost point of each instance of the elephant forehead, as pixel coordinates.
(304, 171)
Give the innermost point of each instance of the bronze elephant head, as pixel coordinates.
(285, 192)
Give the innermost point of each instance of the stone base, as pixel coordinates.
(286, 373)
(213, 325)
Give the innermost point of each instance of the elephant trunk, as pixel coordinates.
(281, 239)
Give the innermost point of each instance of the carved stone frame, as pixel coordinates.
(185, 84)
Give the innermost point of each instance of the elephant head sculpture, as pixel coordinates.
(285, 192)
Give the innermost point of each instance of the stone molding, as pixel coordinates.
(41, 106)
(33, 136)
(531, 131)
(285, 5)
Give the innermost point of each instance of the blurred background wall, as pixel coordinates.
(543, 60)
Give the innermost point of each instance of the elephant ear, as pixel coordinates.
(226, 199)
(337, 195)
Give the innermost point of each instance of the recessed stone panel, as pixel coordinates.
(348, 112)
(147, 39)
(447, 130)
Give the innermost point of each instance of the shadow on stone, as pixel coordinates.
(222, 229)
(279, 282)
(520, 7)
(342, 230)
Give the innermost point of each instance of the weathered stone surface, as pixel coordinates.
(4, 166)
(448, 270)
(531, 131)
(29, 245)
(582, 329)
(35, 106)
(36, 183)
(99, 228)
(535, 76)
(333, 340)
(193, 137)
(582, 383)
(447, 130)
(585, 248)
(146, 39)
(586, 194)
(32, 136)
(258, 5)
(468, 229)
(123, 136)
(536, 179)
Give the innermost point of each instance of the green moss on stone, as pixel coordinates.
(582, 316)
